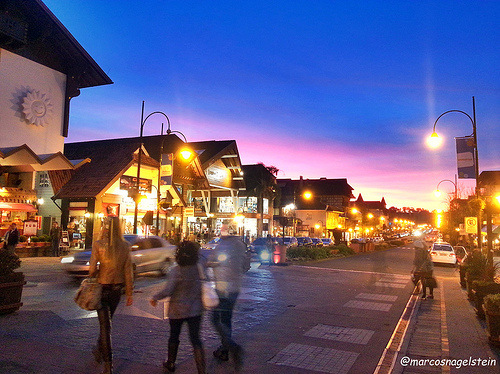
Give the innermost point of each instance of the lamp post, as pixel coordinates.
(186, 154)
(434, 142)
(455, 194)
(139, 159)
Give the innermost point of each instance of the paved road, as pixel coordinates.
(342, 310)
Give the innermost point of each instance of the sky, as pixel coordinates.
(335, 89)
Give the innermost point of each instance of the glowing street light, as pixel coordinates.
(434, 141)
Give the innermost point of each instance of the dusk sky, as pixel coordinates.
(336, 89)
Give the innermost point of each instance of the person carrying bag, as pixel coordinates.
(114, 273)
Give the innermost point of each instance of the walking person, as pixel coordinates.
(11, 238)
(229, 263)
(184, 289)
(423, 268)
(55, 235)
(115, 272)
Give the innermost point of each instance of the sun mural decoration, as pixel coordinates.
(36, 108)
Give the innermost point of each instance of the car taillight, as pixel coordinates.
(452, 254)
(433, 253)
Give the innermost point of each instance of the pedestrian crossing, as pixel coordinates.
(329, 360)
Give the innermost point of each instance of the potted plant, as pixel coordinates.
(478, 268)
(11, 282)
(481, 288)
(491, 308)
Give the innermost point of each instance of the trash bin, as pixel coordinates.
(279, 254)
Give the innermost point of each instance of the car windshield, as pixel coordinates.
(214, 240)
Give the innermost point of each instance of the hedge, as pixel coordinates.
(305, 253)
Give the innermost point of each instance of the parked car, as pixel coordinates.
(262, 248)
(304, 241)
(327, 241)
(442, 252)
(148, 254)
(290, 241)
(317, 242)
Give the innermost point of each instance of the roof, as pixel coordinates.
(380, 205)
(319, 187)
(23, 159)
(29, 29)
(104, 168)
(489, 178)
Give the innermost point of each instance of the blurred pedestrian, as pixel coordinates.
(185, 305)
(423, 269)
(55, 235)
(11, 238)
(115, 272)
(229, 262)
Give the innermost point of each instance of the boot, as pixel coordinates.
(221, 353)
(108, 368)
(172, 356)
(199, 358)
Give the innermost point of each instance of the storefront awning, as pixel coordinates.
(17, 207)
(495, 229)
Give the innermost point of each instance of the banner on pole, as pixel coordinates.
(166, 171)
(465, 157)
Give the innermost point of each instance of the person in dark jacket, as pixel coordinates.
(55, 235)
(423, 269)
(11, 238)
(184, 289)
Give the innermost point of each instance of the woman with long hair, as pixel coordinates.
(184, 289)
(114, 273)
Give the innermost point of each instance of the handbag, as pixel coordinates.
(209, 296)
(88, 296)
(430, 282)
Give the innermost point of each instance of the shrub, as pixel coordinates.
(44, 238)
(34, 239)
(305, 253)
(23, 238)
(344, 250)
(8, 262)
(492, 303)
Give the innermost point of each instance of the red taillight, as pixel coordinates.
(433, 253)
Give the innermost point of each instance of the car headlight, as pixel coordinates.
(265, 255)
(67, 260)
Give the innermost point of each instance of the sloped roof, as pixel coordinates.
(489, 178)
(23, 159)
(35, 33)
(379, 205)
(319, 187)
(106, 165)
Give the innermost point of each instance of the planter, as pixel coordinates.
(11, 289)
(480, 291)
(493, 326)
(462, 270)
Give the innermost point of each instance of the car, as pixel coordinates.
(327, 241)
(262, 248)
(211, 244)
(290, 241)
(442, 252)
(150, 253)
(304, 241)
(317, 242)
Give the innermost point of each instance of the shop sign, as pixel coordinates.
(189, 211)
(129, 183)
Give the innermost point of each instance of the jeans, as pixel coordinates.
(222, 319)
(193, 323)
(111, 294)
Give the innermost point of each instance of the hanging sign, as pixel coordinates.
(465, 157)
(166, 171)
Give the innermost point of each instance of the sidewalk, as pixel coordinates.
(446, 328)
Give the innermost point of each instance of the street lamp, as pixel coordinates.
(434, 141)
(438, 193)
(139, 159)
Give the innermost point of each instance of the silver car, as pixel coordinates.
(148, 254)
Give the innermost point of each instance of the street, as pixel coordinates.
(333, 316)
